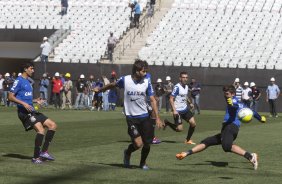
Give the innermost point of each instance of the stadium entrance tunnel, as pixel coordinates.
(21, 44)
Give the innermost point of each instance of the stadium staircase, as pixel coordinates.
(127, 50)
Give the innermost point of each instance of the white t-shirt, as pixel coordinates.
(246, 93)
(180, 94)
(46, 48)
(1, 83)
(135, 94)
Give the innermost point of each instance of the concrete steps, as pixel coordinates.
(131, 53)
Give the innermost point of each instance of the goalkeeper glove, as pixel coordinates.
(229, 101)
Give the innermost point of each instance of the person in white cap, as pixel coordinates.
(168, 90)
(46, 49)
(255, 96)
(272, 94)
(81, 86)
(246, 95)
(238, 88)
(159, 89)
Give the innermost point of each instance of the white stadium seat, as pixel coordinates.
(87, 19)
(239, 34)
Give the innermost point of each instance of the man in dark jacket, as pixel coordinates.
(65, 6)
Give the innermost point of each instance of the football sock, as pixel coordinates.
(248, 155)
(171, 125)
(189, 152)
(37, 144)
(131, 148)
(48, 138)
(190, 133)
(144, 154)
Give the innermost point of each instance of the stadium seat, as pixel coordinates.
(240, 33)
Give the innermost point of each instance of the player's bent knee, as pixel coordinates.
(138, 143)
(39, 128)
(226, 147)
(179, 129)
(51, 125)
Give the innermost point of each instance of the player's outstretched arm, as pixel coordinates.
(105, 88)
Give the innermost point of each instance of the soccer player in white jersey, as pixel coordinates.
(178, 101)
(136, 88)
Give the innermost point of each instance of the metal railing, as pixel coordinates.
(130, 37)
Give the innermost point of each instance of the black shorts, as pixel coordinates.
(143, 127)
(186, 116)
(29, 120)
(227, 135)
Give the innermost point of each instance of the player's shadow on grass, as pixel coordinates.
(213, 163)
(18, 156)
(120, 165)
(166, 141)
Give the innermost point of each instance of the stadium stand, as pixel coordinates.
(87, 24)
(218, 33)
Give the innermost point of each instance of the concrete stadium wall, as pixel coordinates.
(22, 43)
(212, 79)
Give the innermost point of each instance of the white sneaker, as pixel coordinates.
(254, 161)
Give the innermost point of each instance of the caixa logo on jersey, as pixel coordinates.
(28, 94)
(137, 93)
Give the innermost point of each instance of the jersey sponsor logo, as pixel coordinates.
(28, 94)
(137, 93)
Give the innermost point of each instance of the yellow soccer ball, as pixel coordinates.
(245, 115)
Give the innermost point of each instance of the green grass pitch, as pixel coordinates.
(88, 147)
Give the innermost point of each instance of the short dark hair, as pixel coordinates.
(26, 65)
(229, 88)
(183, 73)
(139, 65)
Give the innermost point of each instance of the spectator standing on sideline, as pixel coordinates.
(106, 94)
(137, 13)
(112, 41)
(159, 94)
(46, 49)
(43, 89)
(255, 96)
(80, 89)
(168, 90)
(195, 94)
(1, 88)
(239, 89)
(65, 5)
(7, 83)
(67, 101)
(57, 88)
(272, 94)
(90, 85)
(113, 93)
(98, 97)
(246, 95)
